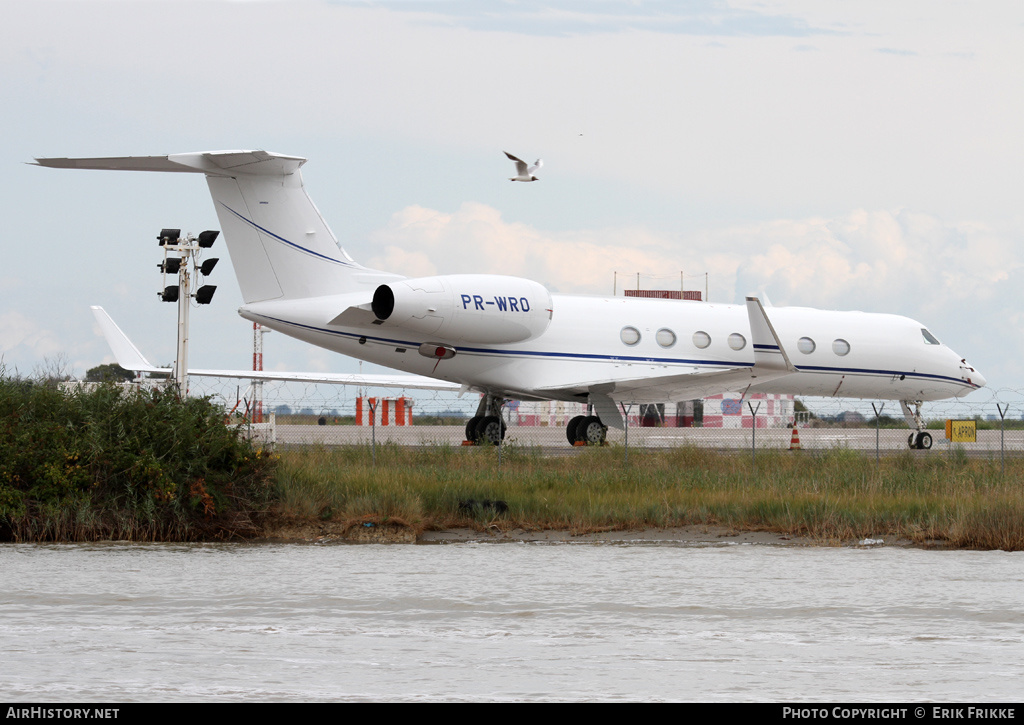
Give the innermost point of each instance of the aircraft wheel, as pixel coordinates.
(591, 431)
(570, 429)
(471, 435)
(911, 443)
(490, 430)
(924, 441)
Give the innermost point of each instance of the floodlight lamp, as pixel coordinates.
(207, 238)
(208, 266)
(168, 236)
(205, 293)
(170, 294)
(171, 265)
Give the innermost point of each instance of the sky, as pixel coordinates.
(821, 153)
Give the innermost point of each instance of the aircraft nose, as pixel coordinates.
(971, 374)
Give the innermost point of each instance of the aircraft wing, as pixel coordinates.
(406, 382)
(770, 363)
(129, 357)
(678, 386)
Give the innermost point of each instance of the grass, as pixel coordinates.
(834, 495)
(106, 463)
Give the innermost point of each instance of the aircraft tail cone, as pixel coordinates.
(794, 441)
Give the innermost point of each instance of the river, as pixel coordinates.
(511, 622)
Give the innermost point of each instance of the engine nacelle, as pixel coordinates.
(485, 308)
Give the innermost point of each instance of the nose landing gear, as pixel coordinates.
(919, 439)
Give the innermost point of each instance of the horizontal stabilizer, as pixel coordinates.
(214, 163)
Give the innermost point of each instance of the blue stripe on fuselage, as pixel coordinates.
(625, 358)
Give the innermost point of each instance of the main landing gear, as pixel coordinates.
(487, 427)
(586, 429)
(919, 439)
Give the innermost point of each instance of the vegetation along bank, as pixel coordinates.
(102, 464)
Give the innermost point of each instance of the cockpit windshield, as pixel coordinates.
(929, 338)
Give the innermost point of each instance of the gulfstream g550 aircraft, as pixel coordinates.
(509, 338)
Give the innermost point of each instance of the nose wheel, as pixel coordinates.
(921, 441)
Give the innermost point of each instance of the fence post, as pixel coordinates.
(878, 416)
(501, 431)
(1002, 426)
(625, 414)
(373, 430)
(753, 431)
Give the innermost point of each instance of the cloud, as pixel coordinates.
(901, 262)
(580, 17)
(876, 260)
(475, 239)
(898, 51)
(869, 258)
(20, 334)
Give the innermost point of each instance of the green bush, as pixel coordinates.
(109, 462)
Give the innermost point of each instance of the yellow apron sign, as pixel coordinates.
(962, 431)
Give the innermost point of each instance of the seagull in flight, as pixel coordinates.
(522, 172)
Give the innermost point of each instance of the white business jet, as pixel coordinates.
(509, 338)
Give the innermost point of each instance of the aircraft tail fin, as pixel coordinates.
(280, 245)
(128, 356)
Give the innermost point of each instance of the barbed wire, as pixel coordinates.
(309, 398)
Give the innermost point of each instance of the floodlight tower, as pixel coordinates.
(186, 266)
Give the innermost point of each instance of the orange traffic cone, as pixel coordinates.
(794, 442)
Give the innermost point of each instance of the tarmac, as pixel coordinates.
(553, 439)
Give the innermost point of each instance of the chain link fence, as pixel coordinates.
(304, 414)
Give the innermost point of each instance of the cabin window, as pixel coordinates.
(665, 337)
(805, 345)
(630, 336)
(701, 339)
(929, 338)
(737, 341)
(840, 347)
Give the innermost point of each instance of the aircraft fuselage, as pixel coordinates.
(595, 340)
